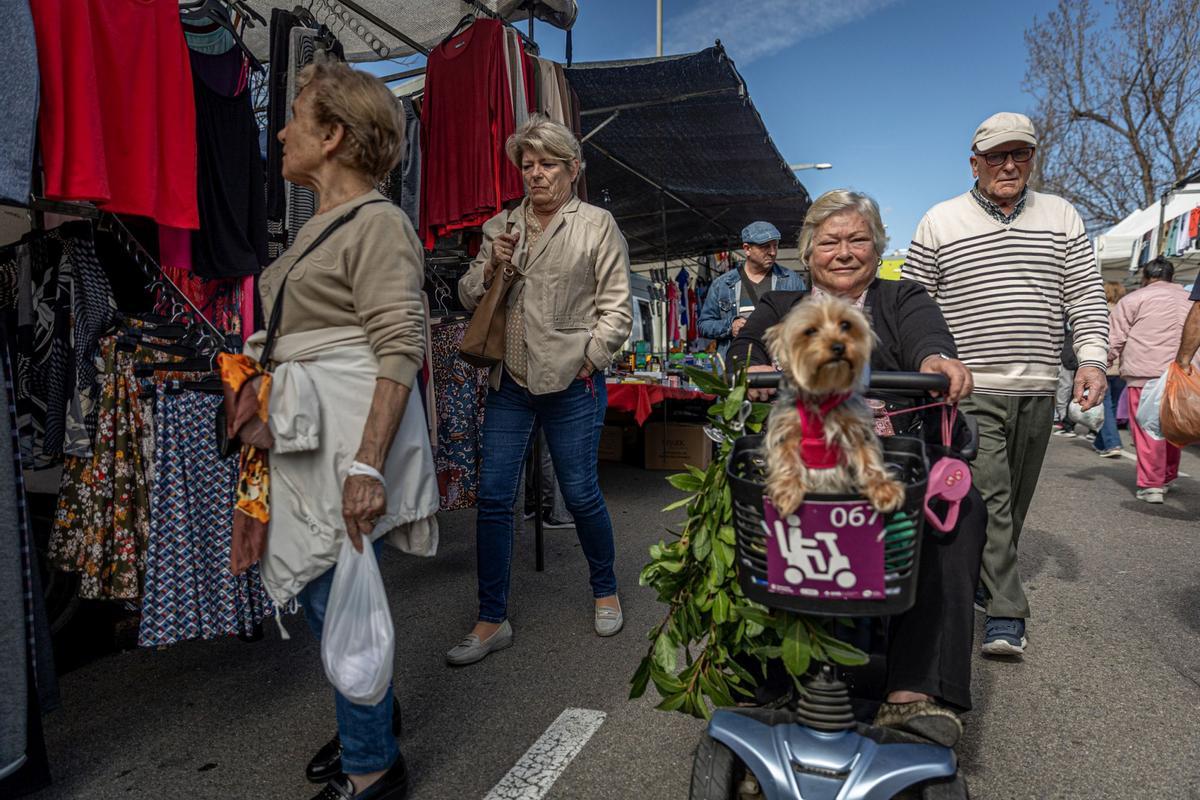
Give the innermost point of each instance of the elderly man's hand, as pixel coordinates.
(761, 395)
(363, 503)
(1090, 385)
(961, 381)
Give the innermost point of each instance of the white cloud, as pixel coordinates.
(751, 29)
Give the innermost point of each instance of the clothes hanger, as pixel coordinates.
(467, 21)
(217, 11)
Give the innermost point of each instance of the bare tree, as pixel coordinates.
(1118, 101)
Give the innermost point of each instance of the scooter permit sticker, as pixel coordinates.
(826, 550)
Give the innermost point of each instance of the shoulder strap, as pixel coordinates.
(277, 309)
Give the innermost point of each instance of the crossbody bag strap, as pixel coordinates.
(277, 309)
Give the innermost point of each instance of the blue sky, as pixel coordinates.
(888, 91)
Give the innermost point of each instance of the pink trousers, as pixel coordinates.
(1157, 460)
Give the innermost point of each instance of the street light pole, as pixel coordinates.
(659, 29)
(798, 167)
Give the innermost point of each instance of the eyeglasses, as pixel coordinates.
(997, 158)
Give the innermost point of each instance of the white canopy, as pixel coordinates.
(426, 22)
(1115, 247)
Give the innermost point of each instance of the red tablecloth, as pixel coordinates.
(640, 397)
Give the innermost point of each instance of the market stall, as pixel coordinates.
(1168, 227)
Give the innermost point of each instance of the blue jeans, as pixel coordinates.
(368, 744)
(571, 420)
(1109, 437)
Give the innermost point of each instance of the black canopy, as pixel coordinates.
(679, 134)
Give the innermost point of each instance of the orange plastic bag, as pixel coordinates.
(1180, 414)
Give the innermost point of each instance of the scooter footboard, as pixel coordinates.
(793, 762)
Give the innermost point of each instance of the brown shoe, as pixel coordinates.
(923, 718)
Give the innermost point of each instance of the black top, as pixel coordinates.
(752, 292)
(909, 326)
(232, 240)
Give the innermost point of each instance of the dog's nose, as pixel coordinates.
(838, 348)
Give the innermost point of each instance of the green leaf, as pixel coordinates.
(797, 648)
(701, 544)
(768, 652)
(686, 482)
(720, 609)
(706, 381)
(727, 553)
(754, 614)
(841, 653)
(673, 702)
(679, 503)
(710, 681)
(741, 672)
(727, 534)
(733, 403)
(665, 652)
(753, 630)
(640, 679)
(666, 683)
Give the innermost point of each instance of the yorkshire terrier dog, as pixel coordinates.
(820, 435)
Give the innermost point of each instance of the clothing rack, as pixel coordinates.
(111, 223)
(527, 38)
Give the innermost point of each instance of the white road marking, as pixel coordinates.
(543, 762)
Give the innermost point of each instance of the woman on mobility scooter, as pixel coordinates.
(929, 647)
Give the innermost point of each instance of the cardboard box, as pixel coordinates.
(675, 446)
(612, 443)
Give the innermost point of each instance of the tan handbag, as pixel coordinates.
(483, 343)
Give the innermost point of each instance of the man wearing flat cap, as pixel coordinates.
(732, 297)
(1009, 266)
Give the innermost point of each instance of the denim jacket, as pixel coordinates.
(724, 296)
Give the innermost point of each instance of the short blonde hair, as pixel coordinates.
(361, 103)
(543, 135)
(1113, 292)
(839, 201)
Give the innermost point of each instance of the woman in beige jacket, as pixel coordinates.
(569, 313)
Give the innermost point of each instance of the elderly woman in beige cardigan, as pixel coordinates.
(569, 313)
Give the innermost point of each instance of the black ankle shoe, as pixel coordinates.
(392, 786)
(327, 763)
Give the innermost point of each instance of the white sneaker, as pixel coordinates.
(1151, 495)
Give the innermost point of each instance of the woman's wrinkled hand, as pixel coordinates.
(961, 381)
(504, 247)
(586, 370)
(363, 503)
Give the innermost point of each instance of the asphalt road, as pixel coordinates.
(1104, 705)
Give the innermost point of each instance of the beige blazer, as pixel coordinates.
(577, 298)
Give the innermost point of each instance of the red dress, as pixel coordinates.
(117, 123)
(466, 118)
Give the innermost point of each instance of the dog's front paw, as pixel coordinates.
(886, 495)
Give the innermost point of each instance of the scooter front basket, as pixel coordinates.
(906, 461)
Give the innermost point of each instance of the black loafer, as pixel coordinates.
(392, 786)
(327, 763)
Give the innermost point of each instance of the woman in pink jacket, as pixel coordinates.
(1145, 330)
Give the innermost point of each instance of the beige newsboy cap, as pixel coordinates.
(1007, 126)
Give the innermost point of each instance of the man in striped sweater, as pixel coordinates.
(1008, 266)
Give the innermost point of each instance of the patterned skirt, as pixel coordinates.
(190, 592)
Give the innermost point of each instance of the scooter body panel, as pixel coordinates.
(793, 762)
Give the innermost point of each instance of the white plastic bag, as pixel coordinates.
(1092, 419)
(358, 642)
(1149, 405)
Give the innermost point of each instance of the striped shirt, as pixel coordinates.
(1007, 289)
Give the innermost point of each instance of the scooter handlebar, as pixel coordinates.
(906, 383)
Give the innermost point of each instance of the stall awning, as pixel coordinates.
(421, 22)
(679, 155)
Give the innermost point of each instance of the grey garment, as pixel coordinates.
(410, 168)
(1014, 432)
(19, 99)
(552, 497)
(14, 655)
(1063, 392)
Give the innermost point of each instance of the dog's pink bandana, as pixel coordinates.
(815, 452)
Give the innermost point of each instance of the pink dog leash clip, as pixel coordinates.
(949, 481)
